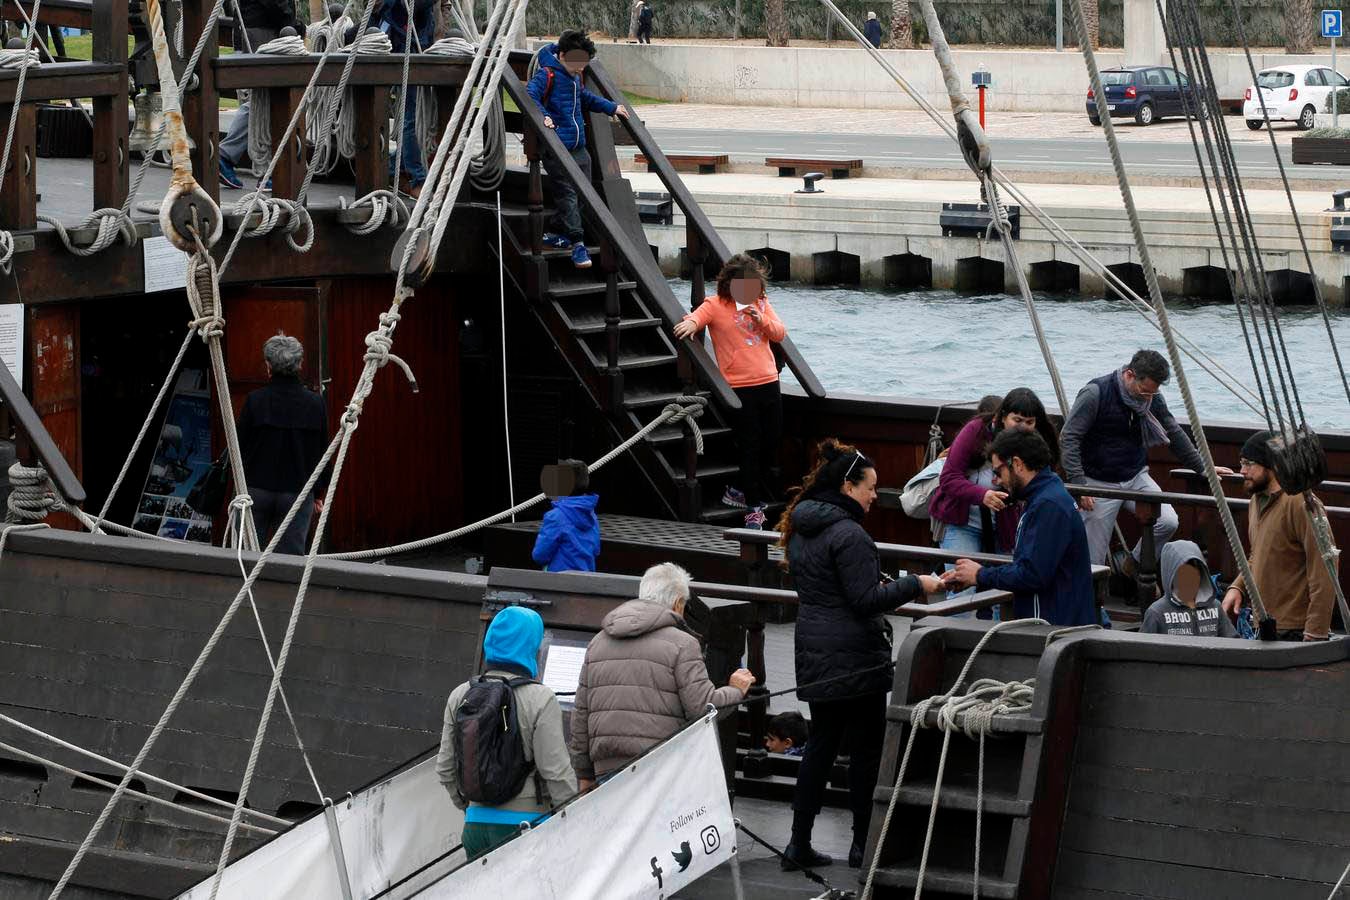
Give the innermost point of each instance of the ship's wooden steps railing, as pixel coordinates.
(104, 79)
(703, 245)
(838, 168)
(630, 365)
(697, 163)
(1074, 789)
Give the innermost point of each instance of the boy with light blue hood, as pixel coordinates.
(1188, 606)
(511, 650)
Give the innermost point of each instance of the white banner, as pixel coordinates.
(388, 830)
(653, 828)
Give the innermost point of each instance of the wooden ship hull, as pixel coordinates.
(96, 632)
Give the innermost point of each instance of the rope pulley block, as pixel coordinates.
(419, 259)
(187, 208)
(974, 146)
(1300, 462)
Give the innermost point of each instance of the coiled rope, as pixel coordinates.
(374, 44)
(113, 225)
(971, 713)
(260, 101)
(683, 408)
(21, 60)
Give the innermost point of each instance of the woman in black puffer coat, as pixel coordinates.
(840, 629)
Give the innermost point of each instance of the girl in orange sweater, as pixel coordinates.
(742, 324)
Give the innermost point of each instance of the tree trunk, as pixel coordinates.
(1092, 18)
(775, 24)
(902, 26)
(1298, 26)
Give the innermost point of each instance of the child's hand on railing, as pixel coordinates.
(548, 122)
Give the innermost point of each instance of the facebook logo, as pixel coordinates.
(1331, 23)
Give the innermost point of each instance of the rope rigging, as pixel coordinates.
(1300, 463)
(1227, 380)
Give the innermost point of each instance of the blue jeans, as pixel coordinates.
(412, 154)
(567, 217)
(961, 539)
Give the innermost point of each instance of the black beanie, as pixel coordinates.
(1257, 449)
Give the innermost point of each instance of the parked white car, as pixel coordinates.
(1291, 94)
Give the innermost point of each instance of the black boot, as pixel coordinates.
(804, 857)
(799, 852)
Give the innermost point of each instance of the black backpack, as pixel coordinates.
(489, 752)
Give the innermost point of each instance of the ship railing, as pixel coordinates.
(702, 242)
(104, 80)
(767, 601)
(1235, 480)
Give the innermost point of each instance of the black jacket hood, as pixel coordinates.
(814, 514)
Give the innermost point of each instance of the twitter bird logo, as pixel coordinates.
(683, 856)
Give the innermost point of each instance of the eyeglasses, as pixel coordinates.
(857, 457)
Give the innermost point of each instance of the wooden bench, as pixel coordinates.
(790, 168)
(703, 164)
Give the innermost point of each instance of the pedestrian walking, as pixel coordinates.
(841, 631)
(644, 29)
(872, 30)
(743, 324)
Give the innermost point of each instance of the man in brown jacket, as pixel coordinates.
(643, 678)
(1285, 560)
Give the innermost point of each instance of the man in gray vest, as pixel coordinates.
(1115, 420)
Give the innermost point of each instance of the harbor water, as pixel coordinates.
(943, 345)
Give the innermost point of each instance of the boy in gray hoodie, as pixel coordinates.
(1188, 606)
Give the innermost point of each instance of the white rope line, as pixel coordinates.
(1160, 309)
(25, 59)
(427, 104)
(375, 44)
(377, 355)
(94, 779)
(684, 408)
(236, 521)
(453, 160)
(972, 717)
(260, 100)
(1228, 381)
(113, 224)
(385, 206)
(90, 754)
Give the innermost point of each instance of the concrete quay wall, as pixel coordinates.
(834, 238)
(848, 78)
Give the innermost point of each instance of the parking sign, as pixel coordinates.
(1331, 23)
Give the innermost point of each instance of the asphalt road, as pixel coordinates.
(1160, 158)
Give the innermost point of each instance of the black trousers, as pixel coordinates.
(859, 725)
(644, 34)
(759, 428)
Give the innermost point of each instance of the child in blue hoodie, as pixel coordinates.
(558, 91)
(569, 536)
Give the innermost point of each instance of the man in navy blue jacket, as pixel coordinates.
(1050, 576)
(558, 90)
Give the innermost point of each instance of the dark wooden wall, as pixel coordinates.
(403, 477)
(95, 639)
(1199, 781)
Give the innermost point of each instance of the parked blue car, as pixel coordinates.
(1146, 93)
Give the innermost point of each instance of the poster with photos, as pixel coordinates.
(182, 457)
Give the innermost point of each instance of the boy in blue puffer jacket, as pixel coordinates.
(558, 91)
(569, 536)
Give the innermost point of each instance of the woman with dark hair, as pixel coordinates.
(841, 630)
(743, 324)
(976, 515)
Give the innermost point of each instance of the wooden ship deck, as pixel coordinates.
(96, 631)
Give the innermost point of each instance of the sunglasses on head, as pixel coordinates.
(857, 456)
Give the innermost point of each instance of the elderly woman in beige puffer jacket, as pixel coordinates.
(643, 678)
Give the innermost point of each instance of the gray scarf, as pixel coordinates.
(1154, 434)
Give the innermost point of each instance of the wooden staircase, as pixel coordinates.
(1026, 769)
(612, 322)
